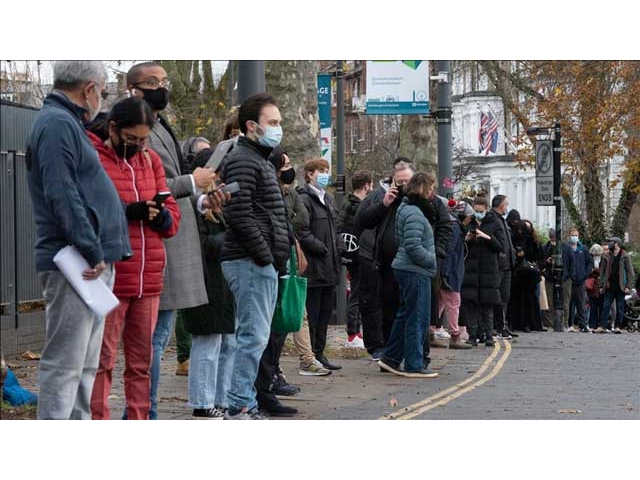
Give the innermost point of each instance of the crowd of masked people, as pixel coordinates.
(197, 245)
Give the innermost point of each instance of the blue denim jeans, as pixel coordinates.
(160, 340)
(209, 372)
(225, 369)
(411, 322)
(255, 290)
(609, 297)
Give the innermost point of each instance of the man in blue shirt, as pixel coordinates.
(74, 203)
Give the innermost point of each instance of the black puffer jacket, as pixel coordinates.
(320, 241)
(481, 283)
(256, 216)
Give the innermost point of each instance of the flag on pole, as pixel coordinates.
(488, 134)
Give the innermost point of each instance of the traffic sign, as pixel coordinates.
(544, 173)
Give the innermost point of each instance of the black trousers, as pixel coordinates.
(479, 320)
(267, 369)
(390, 296)
(354, 320)
(500, 321)
(320, 302)
(369, 305)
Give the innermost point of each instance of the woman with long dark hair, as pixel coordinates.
(139, 178)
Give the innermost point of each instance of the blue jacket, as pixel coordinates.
(577, 264)
(452, 266)
(414, 237)
(74, 201)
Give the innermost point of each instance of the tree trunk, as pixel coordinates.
(594, 199)
(293, 84)
(574, 214)
(419, 142)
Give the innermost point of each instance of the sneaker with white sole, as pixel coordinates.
(390, 366)
(355, 342)
(424, 373)
(600, 330)
(313, 369)
(441, 334)
(254, 414)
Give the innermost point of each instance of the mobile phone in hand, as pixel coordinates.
(160, 198)
(231, 188)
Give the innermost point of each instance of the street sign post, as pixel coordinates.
(544, 173)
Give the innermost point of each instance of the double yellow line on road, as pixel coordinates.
(456, 390)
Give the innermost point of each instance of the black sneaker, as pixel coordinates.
(281, 387)
(377, 354)
(506, 335)
(489, 342)
(280, 410)
(212, 413)
(472, 342)
(327, 364)
(424, 373)
(390, 366)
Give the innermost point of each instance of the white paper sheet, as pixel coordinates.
(94, 293)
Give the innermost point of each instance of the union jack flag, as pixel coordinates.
(488, 134)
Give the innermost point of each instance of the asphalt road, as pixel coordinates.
(543, 375)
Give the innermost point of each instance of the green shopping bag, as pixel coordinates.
(292, 297)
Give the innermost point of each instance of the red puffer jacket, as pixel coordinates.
(138, 180)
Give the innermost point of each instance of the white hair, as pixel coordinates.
(70, 74)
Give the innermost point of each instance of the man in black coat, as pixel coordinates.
(376, 219)
(506, 264)
(256, 245)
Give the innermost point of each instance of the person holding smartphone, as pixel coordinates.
(481, 284)
(152, 215)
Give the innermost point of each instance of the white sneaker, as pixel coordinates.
(441, 334)
(573, 329)
(357, 342)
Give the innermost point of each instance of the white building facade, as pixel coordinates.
(496, 171)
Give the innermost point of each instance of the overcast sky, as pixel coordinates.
(113, 67)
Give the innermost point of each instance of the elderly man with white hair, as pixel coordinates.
(74, 203)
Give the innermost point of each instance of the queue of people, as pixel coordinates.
(174, 237)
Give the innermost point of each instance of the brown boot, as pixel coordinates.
(182, 369)
(457, 343)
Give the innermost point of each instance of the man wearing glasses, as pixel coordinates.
(74, 203)
(184, 285)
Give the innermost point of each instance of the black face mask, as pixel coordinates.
(157, 99)
(400, 191)
(124, 150)
(288, 176)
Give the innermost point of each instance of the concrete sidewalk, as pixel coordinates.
(360, 382)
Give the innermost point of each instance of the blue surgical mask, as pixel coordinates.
(479, 215)
(271, 137)
(322, 180)
(506, 212)
(574, 239)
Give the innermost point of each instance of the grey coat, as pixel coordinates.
(184, 285)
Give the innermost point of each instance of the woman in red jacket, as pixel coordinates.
(138, 176)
